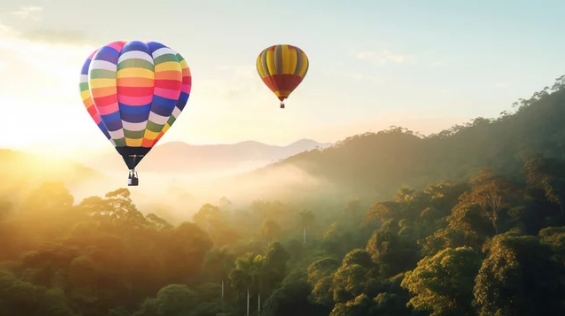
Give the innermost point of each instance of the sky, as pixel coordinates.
(424, 65)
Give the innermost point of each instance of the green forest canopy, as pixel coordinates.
(488, 242)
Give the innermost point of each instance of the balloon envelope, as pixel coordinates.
(134, 92)
(282, 68)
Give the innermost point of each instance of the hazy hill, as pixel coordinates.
(378, 163)
(179, 157)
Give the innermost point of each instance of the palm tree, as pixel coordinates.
(247, 275)
(271, 231)
(222, 257)
(306, 220)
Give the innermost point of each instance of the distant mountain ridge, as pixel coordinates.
(376, 164)
(180, 157)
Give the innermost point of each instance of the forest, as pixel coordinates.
(473, 225)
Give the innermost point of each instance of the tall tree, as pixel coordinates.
(306, 221)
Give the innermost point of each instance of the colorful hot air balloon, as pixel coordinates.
(134, 92)
(282, 68)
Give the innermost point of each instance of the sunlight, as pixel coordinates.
(388, 184)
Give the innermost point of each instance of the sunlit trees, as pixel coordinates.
(443, 284)
(519, 277)
(491, 244)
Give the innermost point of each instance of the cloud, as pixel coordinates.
(28, 13)
(357, 76)
(341, 72)
(437, 64)
(6, 31)
(381, 53)
(58, 57)
(42, 34)
(236, 81)
(55, 36)
(502, 84)
(384, 57)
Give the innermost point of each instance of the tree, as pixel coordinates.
(172, 300)
(246, 276)
(116, 211)
(491, 194)
(353, 276)
(320, 277)
(207, 216)
(519, 277)
(291, 298)
(547, 175)
(337, 240)
(444, 196)
(221, 261)
(49, 197)
(186, 247)
(443, 283)
(270, 231)
(353, 206)
(381, 212)
(306, 220)
(360, 306)
(390, 253)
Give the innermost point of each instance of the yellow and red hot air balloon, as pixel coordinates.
(134, 91)
(282, 68)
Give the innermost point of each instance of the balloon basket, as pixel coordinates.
(133, 180)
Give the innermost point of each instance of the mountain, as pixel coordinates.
(375, 164)
(180, 157)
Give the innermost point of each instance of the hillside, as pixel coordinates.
(184, 158)
(376, 163)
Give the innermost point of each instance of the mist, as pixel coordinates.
(177, 197)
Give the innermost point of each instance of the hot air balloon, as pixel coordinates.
(134, 92)
(282, 68)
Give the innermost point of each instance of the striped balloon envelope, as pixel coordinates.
(282, 68)
(134, 91)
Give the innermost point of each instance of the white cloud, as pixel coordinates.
(6, 31)
(385, 57)
(501, 84)
(241, 72)
(437, 63)
(235, 82)
(363, 77)
(59, 60)
(28, 13)
(357, 76)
